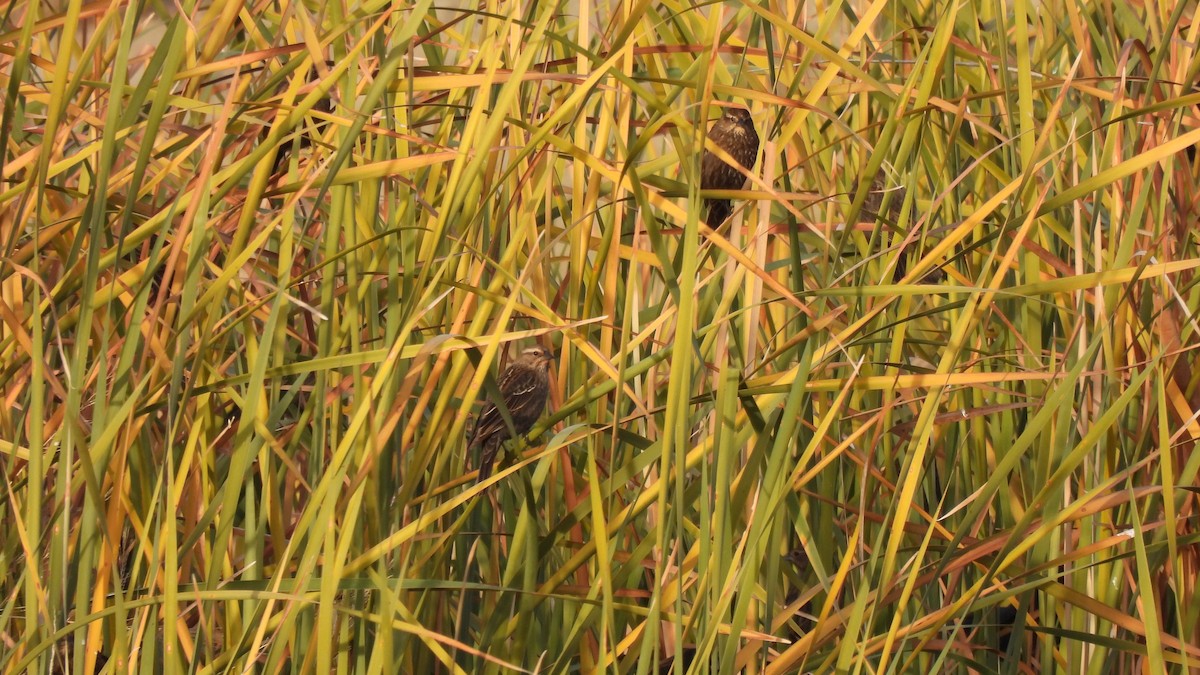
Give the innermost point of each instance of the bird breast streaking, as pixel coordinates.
(734, 133)
(523, 386)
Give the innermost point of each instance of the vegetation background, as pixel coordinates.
(955, 435)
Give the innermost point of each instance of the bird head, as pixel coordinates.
(739, 116)
(537, 356)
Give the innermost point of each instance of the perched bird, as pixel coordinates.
(874, 200)
(668, 661)
(524, 385)
(871, 208)
(302, 138)
(734, 133)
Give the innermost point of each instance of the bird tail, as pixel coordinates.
(718, 211)
(491, 447)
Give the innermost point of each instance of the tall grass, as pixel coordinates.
(945, 427)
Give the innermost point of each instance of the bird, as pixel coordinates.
(734, 133)
(302, 139)
(874, 201)
(871, 208)
(524, 385)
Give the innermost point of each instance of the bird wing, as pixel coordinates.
(515, 385)
(715, 173)
(741, 144)
(486, 425)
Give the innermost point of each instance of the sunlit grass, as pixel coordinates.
(945, 428)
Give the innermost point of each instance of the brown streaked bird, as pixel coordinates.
(524, 385)
(871, 208)
(734, 133)
(300, 137)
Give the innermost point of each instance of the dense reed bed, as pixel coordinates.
(926, 403)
